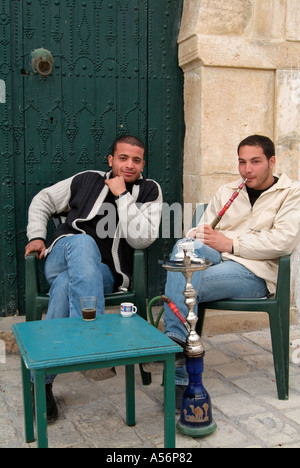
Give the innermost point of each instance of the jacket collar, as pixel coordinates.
(284, 181)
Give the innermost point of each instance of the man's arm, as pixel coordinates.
(36, 245)
(214, 239)
(46, 203)
(139, 222)
(116, 185)
(280, 238)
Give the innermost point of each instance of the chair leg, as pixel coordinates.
(146, 376)
(142, 310)
(280, 332)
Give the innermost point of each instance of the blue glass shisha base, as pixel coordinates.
(196, 413)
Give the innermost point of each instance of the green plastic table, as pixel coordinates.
(68, 345)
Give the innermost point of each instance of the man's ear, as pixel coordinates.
(110, 160)
(272, 162)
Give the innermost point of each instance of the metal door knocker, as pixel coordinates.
(42, 61)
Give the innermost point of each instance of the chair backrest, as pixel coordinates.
(284, 279)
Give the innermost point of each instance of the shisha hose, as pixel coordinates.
(227, 205)
(176, 312)
(172, 307)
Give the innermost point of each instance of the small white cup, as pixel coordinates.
(127, 309)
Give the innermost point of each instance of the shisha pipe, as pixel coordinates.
(228, 204)
(196, 414)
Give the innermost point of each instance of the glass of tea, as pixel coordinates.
(88, 308)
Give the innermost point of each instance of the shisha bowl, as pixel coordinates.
(186, 248)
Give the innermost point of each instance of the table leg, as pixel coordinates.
(27, 402)
(130, 396)
(40, 409)
(169, 402)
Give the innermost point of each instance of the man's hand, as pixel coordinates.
(36, 246)
(212, 238)
(116, 185)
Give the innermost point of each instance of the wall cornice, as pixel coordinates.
(237, 52)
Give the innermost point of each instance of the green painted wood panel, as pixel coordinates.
(115, 71)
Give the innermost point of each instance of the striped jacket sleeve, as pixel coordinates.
(139, 222)
(47, 202)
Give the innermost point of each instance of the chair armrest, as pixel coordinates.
(138, 267)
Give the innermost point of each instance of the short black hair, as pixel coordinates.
(259, 140)
(130, 140)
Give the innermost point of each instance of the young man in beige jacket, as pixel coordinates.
(262, 225)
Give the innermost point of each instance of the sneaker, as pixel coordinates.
(152, 366)
(52, 411)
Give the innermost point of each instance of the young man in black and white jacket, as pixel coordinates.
(114, 212)
(108, 215)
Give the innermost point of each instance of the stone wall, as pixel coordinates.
(241, 61)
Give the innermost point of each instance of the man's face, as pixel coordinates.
(254, 166)
(127, 162)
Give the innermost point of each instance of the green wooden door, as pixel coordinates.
(115, 72)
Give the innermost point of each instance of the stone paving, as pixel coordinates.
(239, 377)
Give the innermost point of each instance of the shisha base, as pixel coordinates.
(197, 432)
(196, 412)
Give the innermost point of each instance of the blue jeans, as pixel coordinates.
(73, 269)
(223, 280)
